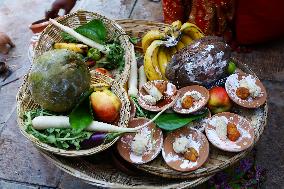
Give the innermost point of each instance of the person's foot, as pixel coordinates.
(5, 42)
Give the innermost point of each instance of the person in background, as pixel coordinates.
(240, 22)
(66, 5)
(5, 43)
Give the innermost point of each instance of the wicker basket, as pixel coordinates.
(25, 103)
(52, 34)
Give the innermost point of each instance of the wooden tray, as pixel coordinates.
(218, 160)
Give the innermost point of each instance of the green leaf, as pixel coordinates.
(65, 145)
(134, 40)
(235, 186)
(94, 30)
(173, 121)
(81, 116)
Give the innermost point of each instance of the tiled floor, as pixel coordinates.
(22, 167)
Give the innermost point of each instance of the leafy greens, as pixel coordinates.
(60, 138)
(96, 31)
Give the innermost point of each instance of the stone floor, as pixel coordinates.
(22, 167)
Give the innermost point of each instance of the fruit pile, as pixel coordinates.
(160, 46)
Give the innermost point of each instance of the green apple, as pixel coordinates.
(231, 67)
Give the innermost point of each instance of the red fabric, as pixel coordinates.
(259, 21)
(251, 21)
(173, 10)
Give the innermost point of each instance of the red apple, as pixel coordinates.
(106, 105)
(104, 71)
(219, 100)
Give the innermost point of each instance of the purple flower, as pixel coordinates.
(226, 186)
(246, 175)
(222, 177)
(219, 180)
(259, 173)
(246, 164)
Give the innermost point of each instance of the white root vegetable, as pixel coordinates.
(133, 77)
(45, 122)
(142, 76)
(80, 37)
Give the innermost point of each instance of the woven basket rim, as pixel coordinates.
(101, 183)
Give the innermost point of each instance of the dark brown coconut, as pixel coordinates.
(201, 63)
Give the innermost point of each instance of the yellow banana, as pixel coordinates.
(185, 39)
(176, 24)
(168, 53)
(163, 61)
(155, 63)
(100, 86)
(150, 37)
(172, 51)
(174, 29)
(151, 64)
(192, 30)
(180, 45)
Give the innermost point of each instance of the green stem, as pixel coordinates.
(65, 139)
(111, 136)
(141, 112)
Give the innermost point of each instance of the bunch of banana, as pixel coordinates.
(156, 59)
(160, 46)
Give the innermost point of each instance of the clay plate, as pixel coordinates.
(170, 95)
(200, 104)
(177, 161)
(231, 88)
(124, 144)
(244, 127)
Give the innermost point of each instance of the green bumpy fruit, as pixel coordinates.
(57, 80)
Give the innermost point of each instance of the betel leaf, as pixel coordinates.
(94, 30)
(173, 121)
(81, 116)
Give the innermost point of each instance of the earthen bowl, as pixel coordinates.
(176, 160)
(244, 127)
